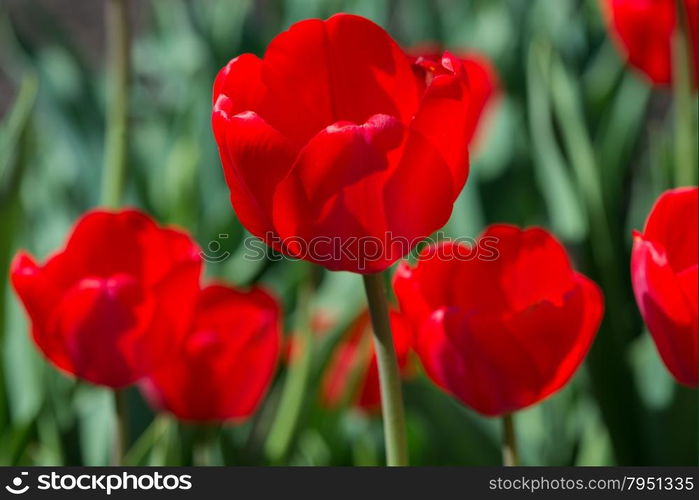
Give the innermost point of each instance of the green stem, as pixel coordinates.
(389, 375)
(165, 449)
(296, 382)
(510, 456)
(139, 451)
(117, 26)
(685, 135)
(116, 138)
(121, 437)
(204, 441)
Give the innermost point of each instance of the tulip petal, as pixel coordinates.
(256, 353)
(666, 310)
(509, 279)
(175, 297)
(446, 101)
(99, 321)
(558, 337)
(335, 190)
(497, 365)
(420, 192)
(468, 374)
(535, 266)
(644, 32)
(39, 294)
(434, 165)
(344, 69)
(413, 302)
(664, 227)
(482, 89)
(102, 244)
(105, 243)
(426, 287)
(478, 78)
(165, 250)
(228, 361)
(255, 158)
(689, 284)
(241, 82)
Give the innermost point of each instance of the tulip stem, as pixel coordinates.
(116, 139)
(510, 456)
(389, 375)
(685, 135)
(121, 437)
(294, 389)
(117, 26)
(204, 442)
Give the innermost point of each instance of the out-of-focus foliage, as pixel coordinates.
(577, 143)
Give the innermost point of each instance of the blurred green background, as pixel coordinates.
(577, 143)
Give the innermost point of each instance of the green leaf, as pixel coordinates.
(565, 210)
(97, 424)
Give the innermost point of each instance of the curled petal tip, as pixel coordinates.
(23, 264)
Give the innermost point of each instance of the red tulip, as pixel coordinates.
(336, 148)
(482, 82)
(503, 328)
(664, 278)
(355, 357)
(644, 31)
(116, 301)
(228, 361)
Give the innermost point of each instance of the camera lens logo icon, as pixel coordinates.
(16, 487)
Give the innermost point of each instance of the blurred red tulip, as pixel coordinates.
(664, 277)
(335, 149)
(355, 357)
(116, 301)
(644, 30)
(503, 329)
(228, 360)
(483, 85)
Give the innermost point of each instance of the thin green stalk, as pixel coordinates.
(116, 138)
(295, 385)
(118, 47)
(685, 128)
(389, 375)
(166, 448)
(121, 436)
(204, 441)
(138, 453)
(510, 455)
